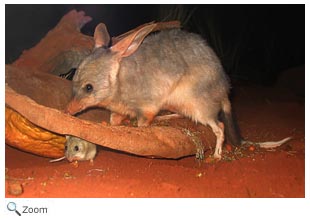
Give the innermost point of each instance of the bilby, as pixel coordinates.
(140, 75)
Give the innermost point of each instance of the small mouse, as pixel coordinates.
(77, 149)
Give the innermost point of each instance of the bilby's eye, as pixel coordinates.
(66, 148)
(89, 87)
(76, 148)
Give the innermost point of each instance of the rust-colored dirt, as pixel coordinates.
(263, 114)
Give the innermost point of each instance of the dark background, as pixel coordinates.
(254, 42)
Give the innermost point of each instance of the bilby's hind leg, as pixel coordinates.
(218, 129)
(207, 114)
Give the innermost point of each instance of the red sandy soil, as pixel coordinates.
(263, 114)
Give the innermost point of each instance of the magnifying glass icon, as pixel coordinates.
(12, 207)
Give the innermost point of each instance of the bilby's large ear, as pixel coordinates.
(101, 36)
(131, 43)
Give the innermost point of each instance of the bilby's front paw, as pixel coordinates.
(116, 119)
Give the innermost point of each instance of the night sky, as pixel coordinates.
(254, 42)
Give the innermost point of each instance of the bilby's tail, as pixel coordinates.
(269, 144)
(231, 129)
(232, 132)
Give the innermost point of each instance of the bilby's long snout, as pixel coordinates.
(73, 107)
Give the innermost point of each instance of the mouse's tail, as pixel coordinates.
(57, 159)
(231, 129)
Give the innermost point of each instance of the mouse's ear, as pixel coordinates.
(101, 36)
(131, 43)
(67, 137)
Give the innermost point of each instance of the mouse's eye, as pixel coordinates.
(89, 87)
(76, 148)
(66, 148)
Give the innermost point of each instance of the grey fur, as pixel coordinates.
(78, 149)
(173, 70)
